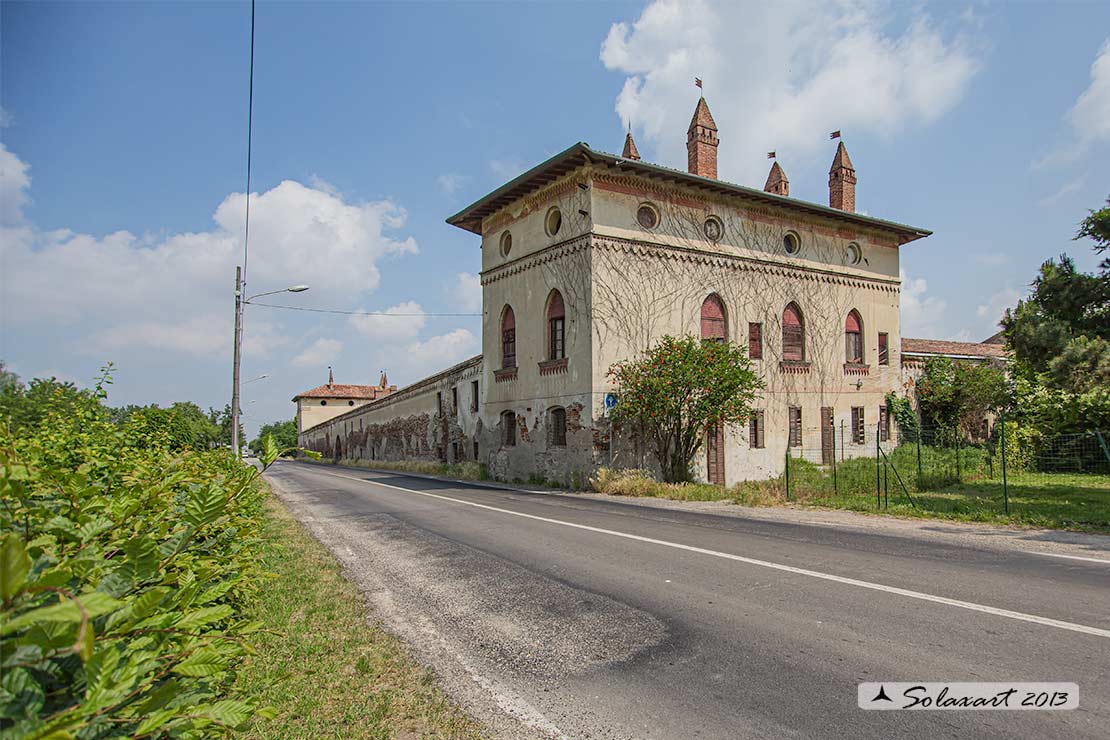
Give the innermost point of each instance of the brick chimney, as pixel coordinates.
(630, 151)
(701, 143)
(842, 181)
(776, 181)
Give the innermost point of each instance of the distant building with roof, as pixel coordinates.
(328, 401)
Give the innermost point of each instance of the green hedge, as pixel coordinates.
(123, 570)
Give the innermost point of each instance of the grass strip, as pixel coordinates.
(322, 665)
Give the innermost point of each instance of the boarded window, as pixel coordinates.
(793, 334)
(755, 341)
(454, 452)
(557, 427)
(859, 432)
(884, 348)
(853, 339)
(713, 324)
(439, 403)
(508, 428)
(795, 416)
(556, 327)
(884, 424)
(454, 400)
(475, 450)
(508, 338)
(755, 430)
(474, 395)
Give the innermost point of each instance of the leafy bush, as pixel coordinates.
(123, 568)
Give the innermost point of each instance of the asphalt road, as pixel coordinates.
(601, 619)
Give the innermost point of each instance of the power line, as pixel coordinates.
(355, 313)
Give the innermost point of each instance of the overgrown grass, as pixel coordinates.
(1053, 500)
(326, 671)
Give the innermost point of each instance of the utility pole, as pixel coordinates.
(235, 361)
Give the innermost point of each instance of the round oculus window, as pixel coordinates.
(350, 403)
(854, 254)
(713, 229)
(553, 222)
(323, 403)
(506, 244)
(791, 243)
(647, 216)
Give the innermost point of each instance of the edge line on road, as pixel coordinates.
(1104, 561)
(908, 593)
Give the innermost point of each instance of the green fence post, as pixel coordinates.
(1102, 441)
(919, 487)
(836, 488)
(878, 472)
(1005, 483)
(788, 469)
(886, 484)
(959, 475)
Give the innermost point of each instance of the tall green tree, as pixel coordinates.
(1097, 227)
(677, 390)
(284, 434)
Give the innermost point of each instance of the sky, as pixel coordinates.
(123, 140)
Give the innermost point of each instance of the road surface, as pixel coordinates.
(589, 618)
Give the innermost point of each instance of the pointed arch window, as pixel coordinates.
(508, 338)
(714, 325)
(853, 338)
(793, 334)
(556, 326)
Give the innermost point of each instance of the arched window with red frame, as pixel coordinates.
(714, 325)
(508, 338)
(853, 338)
(556, 326)
(793, 334)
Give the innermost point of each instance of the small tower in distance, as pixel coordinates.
(630, 151)
(842, 181)
(701, 142)
(776, 181)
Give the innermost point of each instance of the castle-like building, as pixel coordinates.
(590, 257)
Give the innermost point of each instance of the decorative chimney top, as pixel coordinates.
(701, 142)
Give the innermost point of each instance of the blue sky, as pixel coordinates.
(125, 133)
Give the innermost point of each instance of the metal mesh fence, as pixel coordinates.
(1003, 469)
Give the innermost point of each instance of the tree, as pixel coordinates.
(677, 390)
(959, 395)
(1065, 304)
(1097, 226)
(181, 426)
(284, 434)
(24, 407)
(222, 420)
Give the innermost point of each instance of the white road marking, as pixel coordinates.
(1007, 613)
(1104, 561)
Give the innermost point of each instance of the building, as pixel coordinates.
(590, 257)
(325, 402)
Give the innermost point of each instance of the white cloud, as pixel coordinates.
(1089, 118)
(15, 181)
(921, 313)
(319, 353)
(404, 321)
(780, 76)
(6, 119)
(997, 304)
(450, 183)
(420, 359)
(506, 169)
(994, 259)
(468, 293)
(173, 293)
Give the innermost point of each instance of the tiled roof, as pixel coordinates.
(956, 349)
(702, 116)
(340, 390)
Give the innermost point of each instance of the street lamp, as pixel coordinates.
(238, 342)
(260, 377)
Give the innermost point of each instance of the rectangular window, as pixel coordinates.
(795, 439)
(454, 452)
(475, 450)
(853, 347)
(508, 348)
(439, 402)
(555, 349)
(558, 422)
(474, 395)
(884, 425)
(508, 424)
(884, 348)
(858, 431)
(454, 400)
(793, 340)
(755, 341)
(755, 430)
